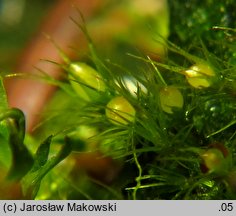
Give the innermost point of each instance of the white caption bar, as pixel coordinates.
(119, 208)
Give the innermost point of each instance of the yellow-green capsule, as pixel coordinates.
(119, 111)
(213, 160)
(199, 75)
(83, 73)
(170, 97)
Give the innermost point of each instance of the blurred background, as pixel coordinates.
(19, 21)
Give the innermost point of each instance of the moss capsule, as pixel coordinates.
(83, 73)
(199, 75)
(133, 85)
(216, 159)
(212, 159)
(119, 111)
(170, 97)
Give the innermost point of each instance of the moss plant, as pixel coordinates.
(174, 137)
(162, 153)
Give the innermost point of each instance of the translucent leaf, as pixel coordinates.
(3, 97)
(42, 165)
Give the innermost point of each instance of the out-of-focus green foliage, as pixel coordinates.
(19, 20)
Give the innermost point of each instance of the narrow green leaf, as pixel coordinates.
(5, 155)
(5, 151)
(22, 160)
(3, 96)
(42, 153)
(31, 182)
